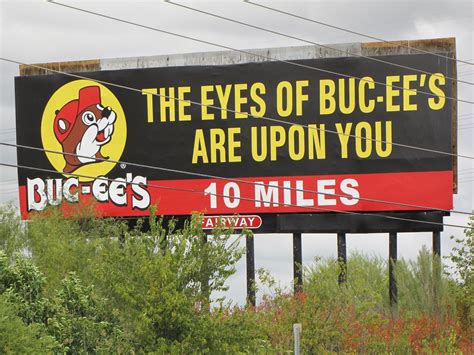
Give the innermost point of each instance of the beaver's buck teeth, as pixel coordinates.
(108, 131)
(112, 117)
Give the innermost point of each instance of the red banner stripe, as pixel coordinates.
(430, 189)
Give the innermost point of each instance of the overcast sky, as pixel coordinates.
(39, 32)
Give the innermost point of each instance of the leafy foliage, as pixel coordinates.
(80, 321)
(72, 321)
(16, 337)
(462, 281)
(88, 285)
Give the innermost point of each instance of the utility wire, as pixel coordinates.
(375, 59)
(353, 32)
(238, 112)
(184, 172)
(238, 198)
(269, 58)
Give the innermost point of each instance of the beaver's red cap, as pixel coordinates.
(87, 97)
(66, 116)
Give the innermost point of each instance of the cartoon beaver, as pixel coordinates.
(82, 127)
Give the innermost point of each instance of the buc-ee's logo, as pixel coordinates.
(84, 131)
(83, 126)
(85, 121)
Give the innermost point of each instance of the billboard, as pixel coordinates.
(286, 138)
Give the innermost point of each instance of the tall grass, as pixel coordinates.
(356, 316)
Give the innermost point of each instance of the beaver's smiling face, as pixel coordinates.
(97, 126)
(82, 126)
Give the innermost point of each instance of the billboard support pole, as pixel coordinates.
(392, 283)
(297, 263)
(436, 267)
(342, 257)
(437, 243)
(250, 254)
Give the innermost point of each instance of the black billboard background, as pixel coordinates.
(170, 144)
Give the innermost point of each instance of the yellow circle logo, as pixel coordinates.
(85, 122)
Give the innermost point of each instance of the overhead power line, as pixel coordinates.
(463, 64)
(269, 58)
(203, 175)
(239, 198)
(354, 32)
(237, 112)
(375, 59)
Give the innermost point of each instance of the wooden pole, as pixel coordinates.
(437, 269)
(392, 283)
(437, 243)
(297, 263)
(250, 269)
(342, 256)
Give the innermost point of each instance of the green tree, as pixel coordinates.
(16, 337)
(21, 284)
(161, 281)
(80, 321)
(60, 245)
(462, 272)
(74, 318)
(158, 280)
